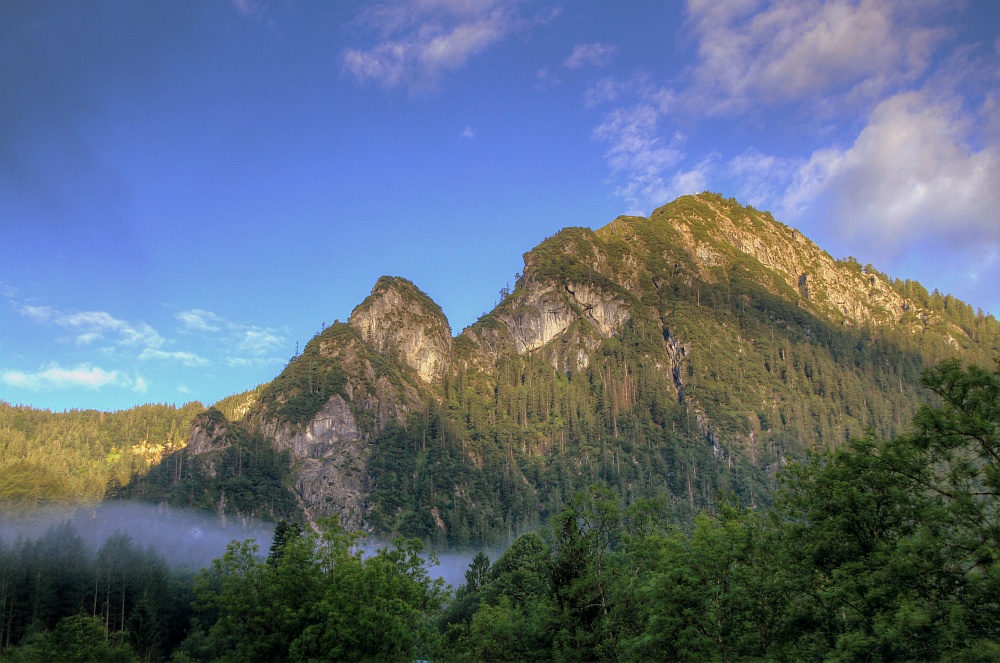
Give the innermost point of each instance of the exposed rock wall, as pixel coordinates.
(401, 321)
(544, 311)
(330, 457)
(832, 289)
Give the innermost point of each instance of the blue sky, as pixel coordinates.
(188, 190)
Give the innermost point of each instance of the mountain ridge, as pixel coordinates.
(693, 351)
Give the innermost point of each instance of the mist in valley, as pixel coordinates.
(185, 538)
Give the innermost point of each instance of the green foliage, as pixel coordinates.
(75, 639)
(880, 550)
(883, 549)
(237, 406)
(246, 477)
(322, 370)
(58, 457)
(321, 600)
(59, 601)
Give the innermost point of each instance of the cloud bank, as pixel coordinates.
(753, 53)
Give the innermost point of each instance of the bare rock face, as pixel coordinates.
(545, 311)
(208, 433)
(330, 450)
(330, 456)
(331, 432)
(564, 314)
(402, 322)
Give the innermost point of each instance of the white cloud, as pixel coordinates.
(200, 320)
(638, 156)
(258, 342)
(91, 326)
(420, 40)
(762, 179)
(598, 55)
(57, 377)
(87, 338)
(753, 53)
(38, 313)
(140, 385)
(637, 87)
(188, 359)
(251, 342)
(468, 133)
(913, 174)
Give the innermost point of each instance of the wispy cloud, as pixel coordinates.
(821, 59)
(188, 359)
(259, 342)
(200, 320)
(54, 376)
(91, 326)
(241, 344)
(468, 133)
(755, 53)
(762, 179)
(247, 8)
(911, 174)
(597, 55)
(640, 158)
(418, 41)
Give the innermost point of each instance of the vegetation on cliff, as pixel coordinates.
(243, 475)
(693, 352)
(722, 374)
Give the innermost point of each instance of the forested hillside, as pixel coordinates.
(52, 457)
(721, 374)
(885, 549)
(704, 437)
(693, 352)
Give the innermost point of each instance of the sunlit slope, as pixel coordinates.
(687, 353)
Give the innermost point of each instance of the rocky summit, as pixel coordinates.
(689, 353)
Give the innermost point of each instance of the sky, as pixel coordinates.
(189, 191)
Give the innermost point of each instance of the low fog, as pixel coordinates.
(185, 538)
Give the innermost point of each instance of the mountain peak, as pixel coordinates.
(400, 320)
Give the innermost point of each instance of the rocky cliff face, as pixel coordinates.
(540, 312)
(402, 322)
(330, 455)
(208, 433)
(326, 409)
(562, 314)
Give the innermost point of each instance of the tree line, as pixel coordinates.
(884, 549)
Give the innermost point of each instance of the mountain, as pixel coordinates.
(681, 355)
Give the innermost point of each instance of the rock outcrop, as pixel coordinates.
(402, 322)
(208, 433)
(540, 312)
(330, 456)
(716, 233)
